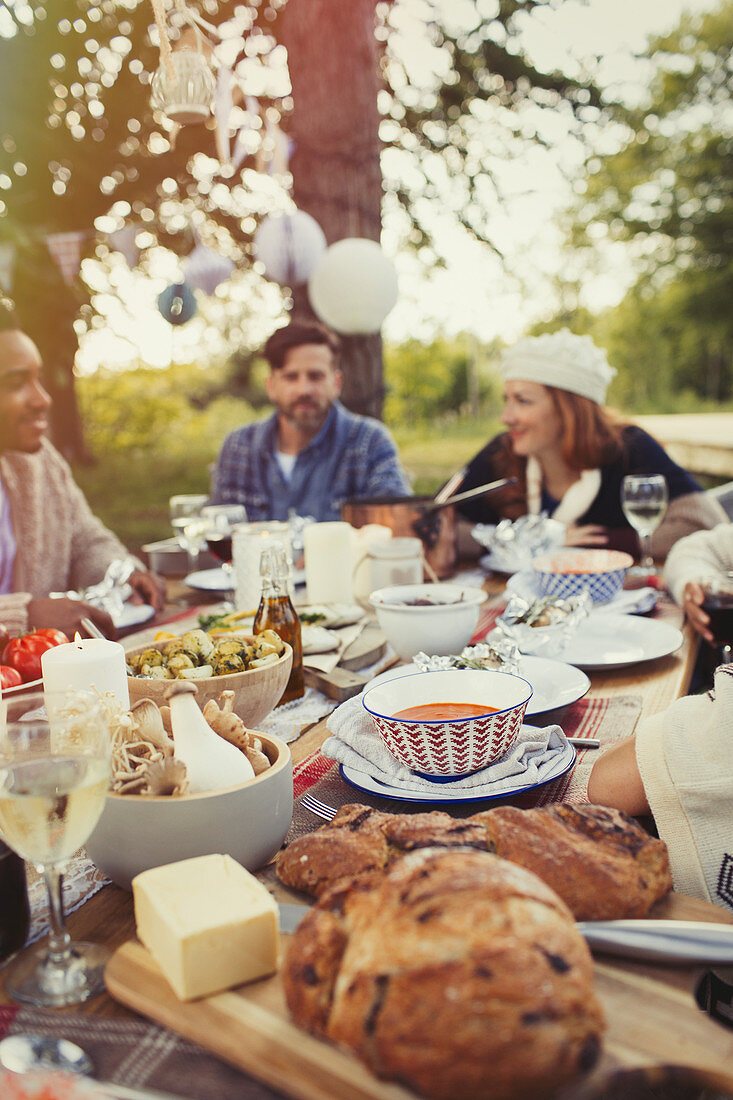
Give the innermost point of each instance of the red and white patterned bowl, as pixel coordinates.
(459, 746)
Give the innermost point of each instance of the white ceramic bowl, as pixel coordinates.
(248, 822)
(438, 629)
(570, 572)
(455, 747)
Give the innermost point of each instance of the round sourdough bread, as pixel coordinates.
(458, 974)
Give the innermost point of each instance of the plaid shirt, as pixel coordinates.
(351, 456)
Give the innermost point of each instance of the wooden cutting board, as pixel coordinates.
(651, 1014)
(345, 681)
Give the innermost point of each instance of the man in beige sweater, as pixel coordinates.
(49, 539)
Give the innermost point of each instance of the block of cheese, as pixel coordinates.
(208, 923)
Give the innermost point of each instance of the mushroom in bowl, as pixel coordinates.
(151, 817)
(438, 619)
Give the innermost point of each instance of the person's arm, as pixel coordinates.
(615, 780)
(20, 614)
(699, 555)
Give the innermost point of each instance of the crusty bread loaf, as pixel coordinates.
(456, 973)
(603, 864)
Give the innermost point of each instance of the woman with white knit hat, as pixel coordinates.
(569, 454)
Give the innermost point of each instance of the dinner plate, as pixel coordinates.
(554, 683)
(32, 685)
(493, 565)
(614, 641)
(133, 614)
(634, 601)
(442, 795)
(217, 580)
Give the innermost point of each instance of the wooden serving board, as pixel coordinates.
(652, 1020)
(344, 681)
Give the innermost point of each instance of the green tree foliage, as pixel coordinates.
(427, 382)
(78, 140)
(668, 190)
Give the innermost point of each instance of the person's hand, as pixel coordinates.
(586, 535)
(692, 598)
(66, 615)
(148, 587)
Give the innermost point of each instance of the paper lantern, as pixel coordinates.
(185, 94)
(204, 269)
(177, 303)
(353, 287)
(289, 245)
(124, 241)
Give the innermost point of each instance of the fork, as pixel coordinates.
(320, 809)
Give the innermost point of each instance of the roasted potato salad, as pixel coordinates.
(198, 655)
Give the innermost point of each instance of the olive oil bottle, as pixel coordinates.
(276, 612)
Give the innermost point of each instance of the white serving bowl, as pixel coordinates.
(248, 822)
(438, 629)
(566, 573)
(458, 746)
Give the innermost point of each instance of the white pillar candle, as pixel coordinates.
(329, 562)
(84, 664)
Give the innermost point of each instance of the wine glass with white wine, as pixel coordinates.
(644, 500)
(54, 775)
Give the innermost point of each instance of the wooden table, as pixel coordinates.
(108, 918)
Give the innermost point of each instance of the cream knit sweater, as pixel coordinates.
(699, 556)
(685, 758)
(60, 543)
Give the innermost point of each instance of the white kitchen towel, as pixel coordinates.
(356, 743)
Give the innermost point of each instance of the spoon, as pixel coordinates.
(22, 1053)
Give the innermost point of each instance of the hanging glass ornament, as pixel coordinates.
(184, 94)
(177, 303)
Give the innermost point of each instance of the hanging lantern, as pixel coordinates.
(184, 89)
(177, 304)
(204, 269)
(289, 246)
(353, 287)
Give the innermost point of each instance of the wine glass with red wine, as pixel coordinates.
(221, 519)
(718, 605)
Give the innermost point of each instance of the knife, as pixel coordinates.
(671, 941)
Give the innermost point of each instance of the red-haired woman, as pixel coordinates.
(569, 454)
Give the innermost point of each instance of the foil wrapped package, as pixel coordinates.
(541, 625)
(502, 654)
(513, 546)
(112, 592)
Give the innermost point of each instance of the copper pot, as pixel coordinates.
(407, 517)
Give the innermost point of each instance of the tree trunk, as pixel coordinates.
(334, 72)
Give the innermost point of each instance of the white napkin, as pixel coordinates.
(629, 602)
(326, 662)
(356, 743)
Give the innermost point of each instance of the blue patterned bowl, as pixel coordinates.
(568, 573)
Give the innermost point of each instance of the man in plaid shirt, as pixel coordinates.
(312, 453)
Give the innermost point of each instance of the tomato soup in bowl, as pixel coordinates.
(437, 741)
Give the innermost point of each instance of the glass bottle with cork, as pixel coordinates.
(276, 612)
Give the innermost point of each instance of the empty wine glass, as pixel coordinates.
(221, 519)
(189, 525)
(644, 502)
(54, 775)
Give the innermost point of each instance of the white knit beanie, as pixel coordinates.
(560, 359)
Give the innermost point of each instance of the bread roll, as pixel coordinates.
(603, 864)
(457, 973)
